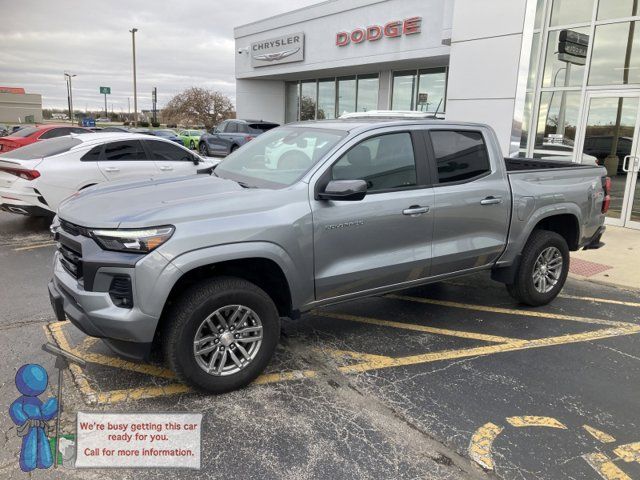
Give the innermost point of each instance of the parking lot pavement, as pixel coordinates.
(445, 381)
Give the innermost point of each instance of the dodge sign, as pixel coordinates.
(273, 51)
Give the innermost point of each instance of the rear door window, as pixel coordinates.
(92, 155)
(55, 146)
(232, 127)
(124, 150)
(460, 155)
(167, 151)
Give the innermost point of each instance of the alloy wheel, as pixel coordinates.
(547, 269)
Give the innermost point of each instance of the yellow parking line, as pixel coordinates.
(534, 421)
(33, 247)
(599, 434)
(56, 329)
(509, 311)
(490, 349)
(482, 443)
(600, 300)
(605, 467)
(418, 328)
(629, 452)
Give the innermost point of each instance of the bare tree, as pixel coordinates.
(198, 106)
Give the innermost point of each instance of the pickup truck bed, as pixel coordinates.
(526, 164)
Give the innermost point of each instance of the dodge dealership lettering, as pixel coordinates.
(395, 28)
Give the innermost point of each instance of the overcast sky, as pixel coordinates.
(179, 44)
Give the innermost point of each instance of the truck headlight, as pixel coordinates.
(135, 241)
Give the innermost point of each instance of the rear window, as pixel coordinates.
(25, 132)
(54, 146)
(261, 127)
(460, 155)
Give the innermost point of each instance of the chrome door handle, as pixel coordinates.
(625, 166)
(166, 167)
(491, 200)
(415, 210)
(112, 169)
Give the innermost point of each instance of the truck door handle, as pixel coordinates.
(415, 210)
(166, 167)
(112, 169)
(490, 200)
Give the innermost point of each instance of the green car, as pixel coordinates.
(190, 138)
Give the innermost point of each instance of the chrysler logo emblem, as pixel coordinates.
(274, 56)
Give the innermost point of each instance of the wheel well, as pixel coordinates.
(565, 225)
(264, 273)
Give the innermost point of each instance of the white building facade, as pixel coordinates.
(554, 78)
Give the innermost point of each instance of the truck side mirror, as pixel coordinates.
(344, 190)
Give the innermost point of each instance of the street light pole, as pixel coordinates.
(68, 77)
(135, 87)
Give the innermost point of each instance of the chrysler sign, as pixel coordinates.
(395, 28)
(273, 51)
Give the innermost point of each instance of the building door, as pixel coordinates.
(610, 137)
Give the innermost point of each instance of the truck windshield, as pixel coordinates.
(278, 157)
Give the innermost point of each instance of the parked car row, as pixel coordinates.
(34, 179)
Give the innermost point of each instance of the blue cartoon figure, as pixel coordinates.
(32, 416)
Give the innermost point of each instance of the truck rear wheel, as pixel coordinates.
(221, 334)
(543, 269)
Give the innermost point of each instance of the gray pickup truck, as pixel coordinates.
(306, 215)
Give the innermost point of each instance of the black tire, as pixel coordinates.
(524, 289)
(204, 150)
(192, 145)
(190, 311)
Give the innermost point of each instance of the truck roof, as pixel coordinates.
(351, 124)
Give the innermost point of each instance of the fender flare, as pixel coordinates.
(193, 259)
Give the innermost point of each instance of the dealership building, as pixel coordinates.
(17, 106)
(554, 78)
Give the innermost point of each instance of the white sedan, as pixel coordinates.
(36, 178)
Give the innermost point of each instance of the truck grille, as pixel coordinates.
(71, 261)
(73, 229)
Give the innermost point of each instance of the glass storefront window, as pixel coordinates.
(558, 73)
(557, 122)
(616, 54)
(308, 100)
(568, 12)
(346, 95)
(608, 9)
(433, 82)
(367, 93)
(533, 61)
(326, 98)
(404, 84)
(291, 102)
(526, 120)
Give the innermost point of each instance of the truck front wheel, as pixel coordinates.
(543, 269)
(221, 334)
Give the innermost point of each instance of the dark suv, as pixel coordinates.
(231, 135)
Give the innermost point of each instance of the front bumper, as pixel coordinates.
(129, 332)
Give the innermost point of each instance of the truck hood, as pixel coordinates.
(152, 202)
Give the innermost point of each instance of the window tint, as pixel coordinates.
(79, 130)
(55, 146)
(384, 162)
(127, 150)
(242, 127)
(232, 127)
(220, 128)
(167, 151)
(55, 132)
(92, 155)
(459, 155)
(261, 127)
(24, 132)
